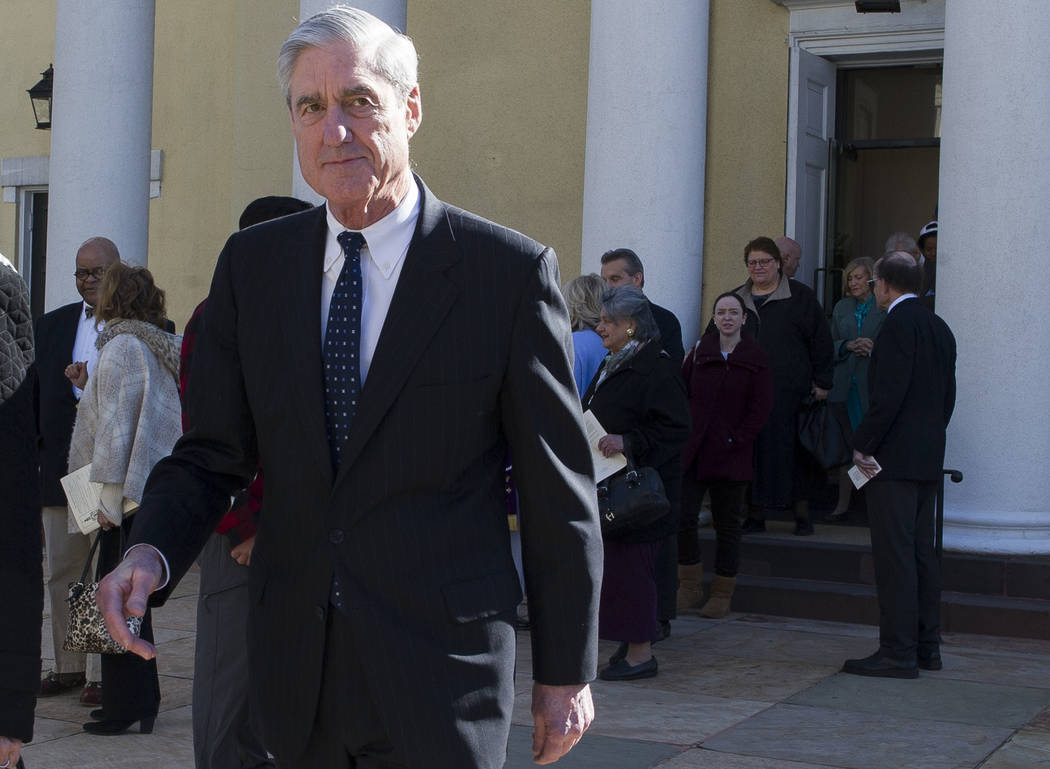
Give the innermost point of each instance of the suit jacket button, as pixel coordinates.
(335, 536)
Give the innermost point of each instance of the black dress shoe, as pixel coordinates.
(803, 527)
(622, 671)
(98, 714)
(57, 683)
(112, 726)
(930, 661)
(881, 665)
(620, 653)
(752, 526)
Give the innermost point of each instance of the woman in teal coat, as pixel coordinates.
(855, 323)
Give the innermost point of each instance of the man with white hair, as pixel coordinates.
(790, 254)
(379, 356)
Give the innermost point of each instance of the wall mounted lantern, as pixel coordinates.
(40, 98)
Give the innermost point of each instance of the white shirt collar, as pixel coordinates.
(898, 300)
(386, 238)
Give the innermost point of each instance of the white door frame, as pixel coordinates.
(834, 30)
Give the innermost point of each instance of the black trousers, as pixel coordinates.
(130, 687)
(907, 573)
(728, 500)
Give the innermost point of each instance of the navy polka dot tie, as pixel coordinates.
(342, 347)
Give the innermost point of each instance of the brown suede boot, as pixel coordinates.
(690, 587)
(721, 594)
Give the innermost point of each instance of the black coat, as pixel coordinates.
(670, 331)
(21, 574)
(645, 402)
(56, 407)
(791, 328)
(911, 383)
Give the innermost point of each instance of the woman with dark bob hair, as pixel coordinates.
(638, 397)
(730, 392)
(788, 322)
(128, 419)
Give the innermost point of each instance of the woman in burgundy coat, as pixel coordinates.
(730, 391)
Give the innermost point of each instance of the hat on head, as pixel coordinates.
(928, 229)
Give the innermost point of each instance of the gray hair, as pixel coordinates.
(900, 241)
(583, 295)
(388, 53)
(629, 303)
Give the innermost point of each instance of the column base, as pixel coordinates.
(997, 532)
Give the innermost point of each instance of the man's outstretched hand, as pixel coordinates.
(560, 714)
(124, 592)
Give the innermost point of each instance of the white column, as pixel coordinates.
(100, 134)
(992, 254)
(394, 13)
(646, 145)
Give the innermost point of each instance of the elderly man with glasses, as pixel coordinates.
(66, 338)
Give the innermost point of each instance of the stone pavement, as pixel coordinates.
(747, 692)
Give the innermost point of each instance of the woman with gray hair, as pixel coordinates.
(639, 398)
(583, 295)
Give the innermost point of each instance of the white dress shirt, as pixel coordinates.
(386, 243)
(84, 347)
(898, 300)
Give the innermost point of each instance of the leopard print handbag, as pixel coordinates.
(87, 630)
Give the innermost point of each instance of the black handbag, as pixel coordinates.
(87, 629)
(631, 499)
(820, 434)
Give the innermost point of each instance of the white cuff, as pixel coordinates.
(163, 560)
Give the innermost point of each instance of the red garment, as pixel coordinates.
(729, 400)
(240, 521)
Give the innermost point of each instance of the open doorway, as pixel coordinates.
(884, 160)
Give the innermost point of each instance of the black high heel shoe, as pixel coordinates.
(112, 726)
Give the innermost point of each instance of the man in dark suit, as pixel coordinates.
(381, 631)
(912, 385)
(622, 267)
(66, 337)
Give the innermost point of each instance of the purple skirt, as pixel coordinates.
(627, 611)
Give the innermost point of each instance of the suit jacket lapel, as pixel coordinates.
(421, 300)
(304, 328)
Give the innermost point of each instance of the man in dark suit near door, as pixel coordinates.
(912, 385)
(384, 592)
(66, 336)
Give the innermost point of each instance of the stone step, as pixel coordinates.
(817, 578)
(856, 603)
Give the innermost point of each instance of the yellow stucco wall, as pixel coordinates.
(504, 90)
(746, 136)
(27, 40)
(220, 119)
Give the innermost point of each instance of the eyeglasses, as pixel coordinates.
(871, 283)
(96, 273)
(760, 264)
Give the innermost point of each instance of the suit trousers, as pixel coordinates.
(347, 734)
(66, 555)
(224, 734)
(907, 572)
(130, 686)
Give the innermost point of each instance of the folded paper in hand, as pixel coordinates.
(83, 495)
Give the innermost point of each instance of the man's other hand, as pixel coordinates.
(124, 591)
(560, 714)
